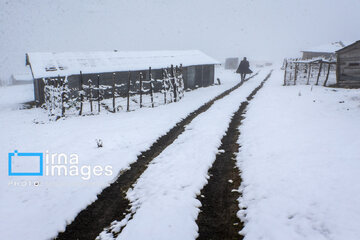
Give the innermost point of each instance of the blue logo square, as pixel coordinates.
(17, 154)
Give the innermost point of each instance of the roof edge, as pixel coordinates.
(348, 46)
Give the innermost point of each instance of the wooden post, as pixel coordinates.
(308, 77)
(141, 86)
(337, 69)
(318, 77)
(164, 85)
(128, 93)
(295, 73)
(327, 75)
(286, 63)
(173, 81)
(98, 86)
(62, 96)
(90, 93)
(151, 88)
(113, 93)
(81, 93)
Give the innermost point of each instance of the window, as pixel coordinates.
(50, 69)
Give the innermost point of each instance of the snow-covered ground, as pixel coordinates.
(164, 197)
(299, 162)
(40, 211)
(300, 159)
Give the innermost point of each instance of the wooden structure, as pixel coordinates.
(197, 68)
(326, 51)
(231, 63)
(348, 66)
(307, 69)
(90, 97)
(20, 79)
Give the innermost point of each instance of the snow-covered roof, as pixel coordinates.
(22, 77)
(48, 64)
(328, 48)
(348, 46)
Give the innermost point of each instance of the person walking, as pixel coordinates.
(244, 68)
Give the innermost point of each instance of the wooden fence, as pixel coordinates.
(309, 70)
(93, 96)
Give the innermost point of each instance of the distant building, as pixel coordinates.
(231, 63)
(325, 51)
(348, 66)
(198, 68)
(20, 79)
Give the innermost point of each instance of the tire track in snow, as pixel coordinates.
(111, 203)
(219, 198)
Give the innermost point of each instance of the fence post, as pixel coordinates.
(62, 96)
(128, 93)
(98, 86)
(81, 93)
(309, 71)
(318, 77)
(295, 73)
(164, 85)
(90, 93)
(141, 84)
(173, 81)
(151, 88)
(286, 63)
(327, 74)
(113, 93)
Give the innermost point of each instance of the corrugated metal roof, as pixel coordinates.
(47, 64)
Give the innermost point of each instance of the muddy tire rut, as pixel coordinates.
(219, 197)
(111, 204)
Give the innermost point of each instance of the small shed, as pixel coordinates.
(20, 79)
(348, 66)
(198, 68)
(231, 63)
(326, 51)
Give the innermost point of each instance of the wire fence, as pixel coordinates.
(93, 97)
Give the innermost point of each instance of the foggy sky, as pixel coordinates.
(258, 29)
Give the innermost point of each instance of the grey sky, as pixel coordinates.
(259, 29)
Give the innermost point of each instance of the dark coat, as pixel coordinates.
(244, 67)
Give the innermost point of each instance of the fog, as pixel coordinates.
(258, 29)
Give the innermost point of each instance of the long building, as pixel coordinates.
(197, 68)
(326, 51)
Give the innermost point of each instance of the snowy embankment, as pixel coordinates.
(300, 163)
(164, 198)
(39, 212)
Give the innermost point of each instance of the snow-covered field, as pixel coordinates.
(300, 159)
(39, 212)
